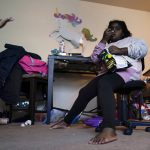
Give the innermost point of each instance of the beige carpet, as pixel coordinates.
(40, 137)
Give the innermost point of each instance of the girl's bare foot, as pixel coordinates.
(59, 125)
(107, 135)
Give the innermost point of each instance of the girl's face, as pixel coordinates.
(117, 32)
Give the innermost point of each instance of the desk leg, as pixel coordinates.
(33, 86)
(50, 88)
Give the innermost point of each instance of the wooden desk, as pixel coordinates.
(147, 89)
(76, 64)
(33, 82)
(147, 73)
(32, 86)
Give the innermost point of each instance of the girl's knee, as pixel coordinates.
(82, 92)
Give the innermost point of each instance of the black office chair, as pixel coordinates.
(123, 106)
(124, 102)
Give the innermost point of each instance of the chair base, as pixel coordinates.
(130, 126)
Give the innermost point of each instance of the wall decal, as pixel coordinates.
(72, 18)
(88, 35)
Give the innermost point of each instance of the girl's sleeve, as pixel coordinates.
(97, 50)
(137, 49)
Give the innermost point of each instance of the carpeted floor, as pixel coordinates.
(40, 137)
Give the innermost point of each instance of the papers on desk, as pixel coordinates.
(63, 54)
(74, 54)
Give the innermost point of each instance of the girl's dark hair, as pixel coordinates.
(123, 26)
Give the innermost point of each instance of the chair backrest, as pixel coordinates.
(143, 64)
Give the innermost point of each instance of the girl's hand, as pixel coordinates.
(10, 19)
(118, 51)
(114, 50)
(3, 22)
(107, 35)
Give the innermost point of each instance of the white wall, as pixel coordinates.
(96, 17)
(34, 22)
(66, 88)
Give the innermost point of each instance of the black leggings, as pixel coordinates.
(103, 87)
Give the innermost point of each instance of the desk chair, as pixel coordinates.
(123, 104)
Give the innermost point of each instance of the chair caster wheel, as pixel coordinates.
(147, 129)
(98, 129)
(128, 131)
(134, 127)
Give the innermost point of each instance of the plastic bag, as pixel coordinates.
(94, 121)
